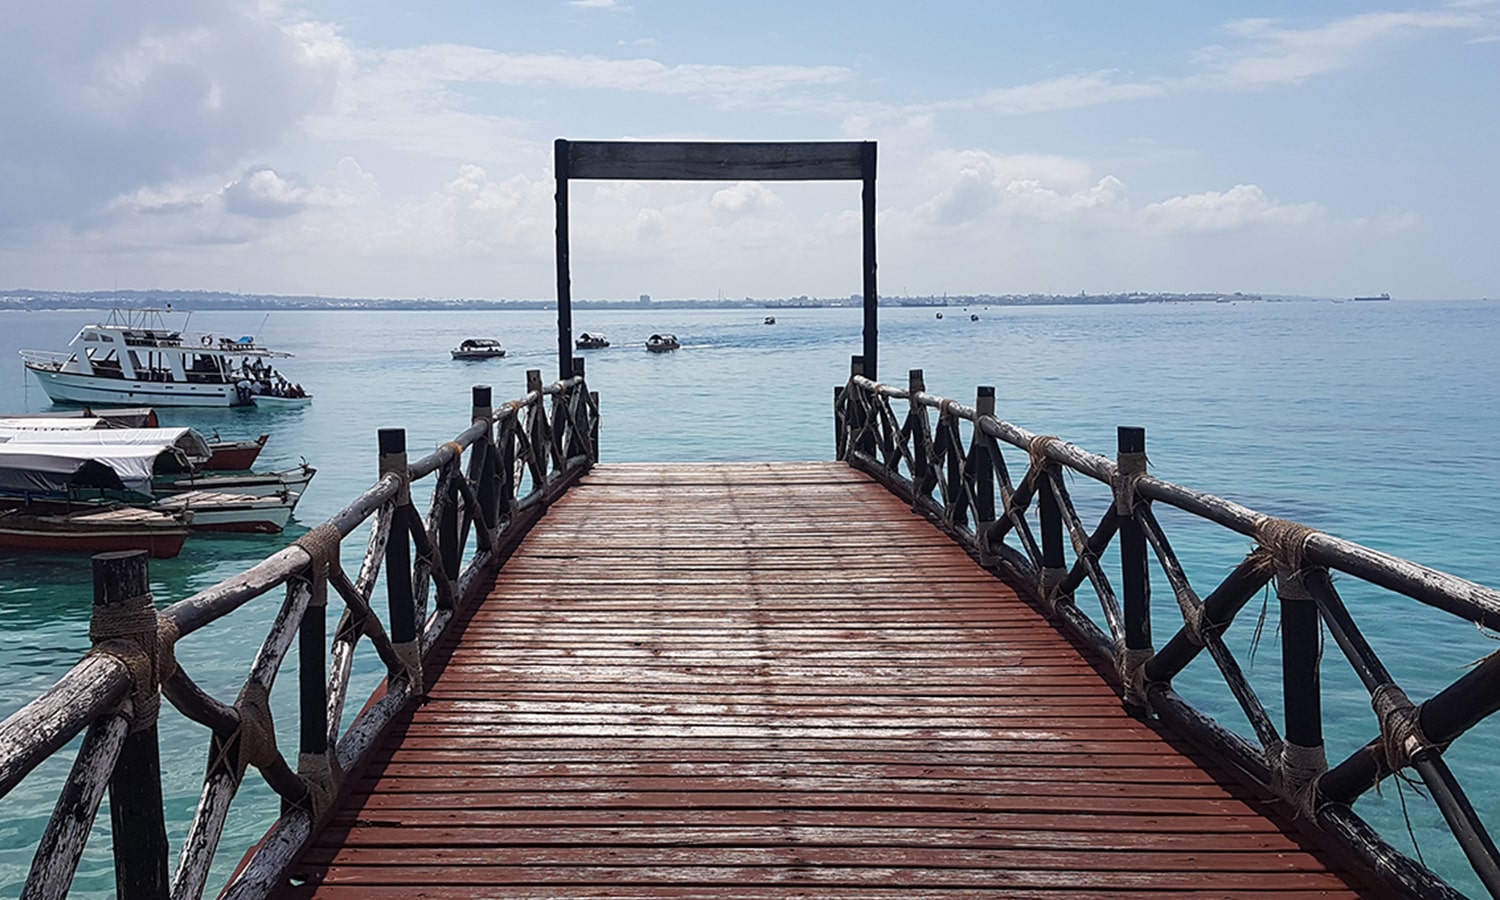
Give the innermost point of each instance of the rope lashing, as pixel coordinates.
(127, 632)
(1401, 735)
(322, 545)
(319, 777)
(1298, 769)
(257, 731)
(1286, 540)
(1129, 468)
(1132, 667)
(456, 447)
(1036, 449)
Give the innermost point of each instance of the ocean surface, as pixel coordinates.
(1373, 421)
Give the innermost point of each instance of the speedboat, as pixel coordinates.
(770, 320)
(134, 358)
(661, 343)
(478, 348)
(588, 341)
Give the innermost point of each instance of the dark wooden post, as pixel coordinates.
(1303, 756)
(916, 383)
(872, 297)
(483, 464)
(984, 467)
(1134, 572)
(561, 167)
(840, 423)
(1049, 517)
(312, 674)
(398, 590)
(866, 442)
(124, 616)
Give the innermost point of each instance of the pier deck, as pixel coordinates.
(773, 681)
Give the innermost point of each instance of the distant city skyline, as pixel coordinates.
(397, 149)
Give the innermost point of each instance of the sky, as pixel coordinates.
(403, 148)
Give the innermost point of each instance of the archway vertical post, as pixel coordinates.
(561, 165)
(871, 295)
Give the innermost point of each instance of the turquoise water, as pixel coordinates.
(1373, 421)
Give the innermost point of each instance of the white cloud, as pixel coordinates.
(137, 93)
(1242, 206)
(744, 198)
(1268, 53)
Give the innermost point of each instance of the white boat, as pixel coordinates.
(289, 481)
(134, 358)
(242, 513)
(478, 348)
(662, 343)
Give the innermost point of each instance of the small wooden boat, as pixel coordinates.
(241, 513)
(292, 482)
(587, 341)
(88, 530)
(478, 348)
(233, 456)
(661, 343)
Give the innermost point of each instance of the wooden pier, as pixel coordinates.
(775, 680)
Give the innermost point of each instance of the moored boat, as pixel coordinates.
(589, 341)
(242, 513)
(292, 482)
(135, 358)
(478, 348)
(88, 530)
(661, 343)
(233, 456)
(769, 320)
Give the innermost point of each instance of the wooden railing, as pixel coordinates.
(950, 462)
(521, 457)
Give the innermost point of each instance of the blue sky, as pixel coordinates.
(403, 149)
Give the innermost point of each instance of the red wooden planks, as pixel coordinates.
(771, 681)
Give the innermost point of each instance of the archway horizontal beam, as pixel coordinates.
(718, 160)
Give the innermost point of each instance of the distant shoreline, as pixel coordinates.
(206, 300)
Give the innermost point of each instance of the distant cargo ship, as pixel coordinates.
(1370, 299)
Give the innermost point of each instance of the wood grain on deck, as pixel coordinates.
(772, 680)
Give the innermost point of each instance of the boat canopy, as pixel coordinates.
(190, 442)
(54, 468)
(37, 423)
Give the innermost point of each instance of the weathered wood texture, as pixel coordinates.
(717, 160)
(731, 681)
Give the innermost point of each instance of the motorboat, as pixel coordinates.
(92, 530)
(239, 513)
(135, 358)
(661, 343)
(478, 348)
(770, 320)
(587, 341)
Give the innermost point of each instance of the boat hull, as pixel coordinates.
(161, 536)
(233, 456)
(234, 513)
(93, 390)
(291, 481)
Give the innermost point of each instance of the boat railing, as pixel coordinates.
(53, 359)
(950, 461)
(521, 456)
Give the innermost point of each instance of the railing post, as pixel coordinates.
(916, 383)
(483, 461)
(312, 675)
(1050, 519)
(984, 467)
(866, 441)
(1130, 464)
(123, 624)
(1303, 757)
(398, 588)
